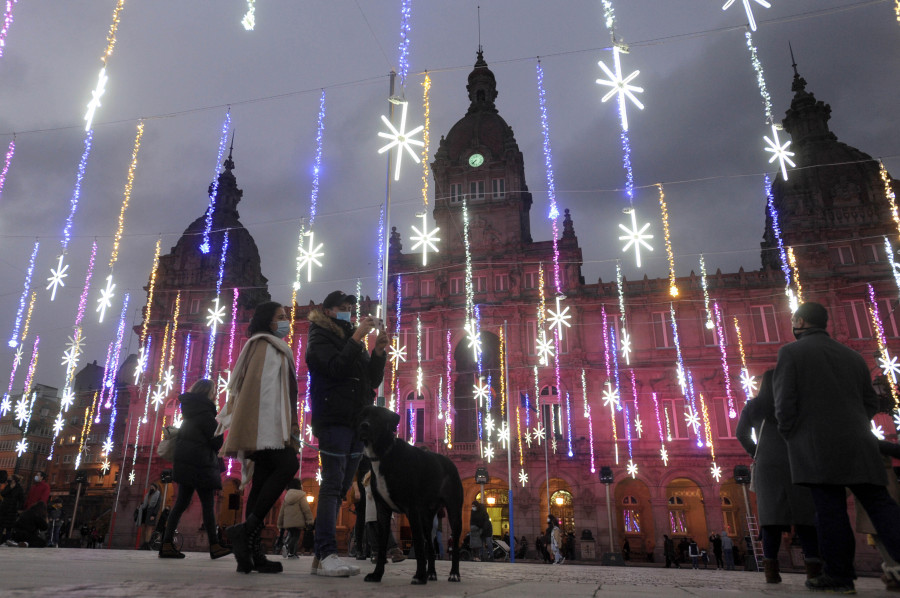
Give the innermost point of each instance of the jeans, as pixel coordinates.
(836, 541)
(185, 493)
(272, 470)
(771, 541)
(292, 539)
(340, 451)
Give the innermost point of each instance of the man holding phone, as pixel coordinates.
(343, 379)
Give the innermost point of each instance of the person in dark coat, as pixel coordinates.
(669, 552)
(780, 503)
(26, 531)
(13, 496)
(195, 467)
(824, 402)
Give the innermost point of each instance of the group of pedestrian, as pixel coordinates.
(813, 443)
(24, 519)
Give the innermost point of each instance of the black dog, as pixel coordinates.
(417, 483)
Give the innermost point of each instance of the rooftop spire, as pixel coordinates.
(229, 163)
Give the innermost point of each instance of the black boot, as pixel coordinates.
(258, 555)
(240, 536)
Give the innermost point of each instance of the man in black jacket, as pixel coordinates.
(343, 378)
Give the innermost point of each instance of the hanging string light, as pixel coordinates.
(216, 314)
(186, 362)
(686, 382)
(143, 351)
(419, 374)
(88, 419)
(615, 404)
(129, 185)
(638, 426)
(885, 361)
(396, 352)
(426, 239)
(720, 333)
(32, 366)
(584, 394)
(474, 338)
(747, 381)
(10, 151)
(673, 287)
(895, 267)
(715, 471)
(569, 426)
(632, 467)
(249, 20)
(14, 338)
(544, 346)
(231, 333)
(109, 382)
(792, 260)
(625, 340)
(663, 454)
(448, 354)
(705, 285)
(606, 359)
(889, 192)
(214, 187)
(28, 315)
(7, 23)
(785, 263)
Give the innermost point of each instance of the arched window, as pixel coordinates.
(677, 517)
(631, 515)
(551, 411)
(562, 508)
(415, 418)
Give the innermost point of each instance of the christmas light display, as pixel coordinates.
(405, 8)
(29, 377)
(720, 333)
(214, 187)
(760, 78)
(309, 256)
(231, 333)
(792, 261)
(448, 438)
(106, 295)
(560, 317)
(399, 352)
(553, 214)
(401, 138)
(895, 267)
(470, 325)
(153, 271)
(217, 313)
(88, 418)
(10, 151)
(635, 237)
(779, 152)
(605, 325)
(692, 417)
(28, 315)
(249, 20)
(129, 185)
(620, 85)
(748, 9)
(662, 439)
(673, 287)
(543, 345)
(704, 284)
(638, 426)
(569, 427)
(425, 238)
(617, 404)
(4, 31)
(882, 342)
(117, 348)
(96, 94)
(747, 381)
(625, 339)
(889, 194)
(785, 263)
(184, 365)
(14, 338)
(632, 467)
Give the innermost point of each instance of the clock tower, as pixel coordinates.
(479, 161)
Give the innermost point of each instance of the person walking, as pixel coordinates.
(824, 402)
(716, 542)
(149, 512)
(555, 539)
(727, 550)
(294, 516)
(55, 517)
(39, 491)
(476, 526)
(626, 550)
(669, 552)
(343, 378)
(260, 416)
(694, 554)
(780, 504)
(13, 499)
(195, 467)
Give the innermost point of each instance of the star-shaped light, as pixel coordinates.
(897, 421)
(107, 446)
(222, 382)
(481, 391)
(748, 382)
(715, 471)
(682, 378)
(95, 99)
(545, 348)
(106, 296)
(877, 431)
(425, 238)
(215, 315)
(538, 434)
(21, 447)
(141, 363)
(159, 395)
(396, 352)
(503, 434)
(131, 478)
(528, 438)
(489, 453)
(632, 469)
(664, 455)
(177, 420)
(67, 400)
(625, 343)
(523, 477)
(17, 359)
(474, 338)
(319, 476)
(168, 380)
(488, 425)
(56, 277)
(70, 359)
(553, 444)
(561, 316)
(104, 467)
(5, 406)
(58, 424)
(22, 410)
(779, 152)
(749, 10)
(692, 419)
(401, 138)
(620, 85)
(307, 257)
(889, 366)
(611, 396)
(309, 432)
(635, 237)
(638, 425)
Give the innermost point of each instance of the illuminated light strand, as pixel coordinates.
(662, 438)
(214, 188)
(317, 168)
(720, 332)
(897, 9)
(23, 444)
(637, 411)
(614, 351)
(543, 346)
(28, 315)
(569, 426)
(760, 78)
(707, 427)
(503, 349)
(249, 20)
(108, 445)
(162, 356)
(519, 435)
(632, 467)
(120, 337)
(76, 193)
(14, 338)
(688, 382)
(379, 275)
(584, 393)
(625, 341)
(606, 359)
(882, 344)
(673, 287)
(33, 364)
(704, 284)
(609, 17)
(785, 263)
(234, 313)
(424, 238)
(591, 441)
(141, 421)
(175, 316)
(613, 405)
(403, 49)
(7, 23)
(411, 412)
(888, 192)
(440, 403)
(746, 379)
(895, 267)
(394, 404)
(12, 144)
(668, 425)
(186, 362)
(449, 419)
(88, 420)
(214, 320)
(426, 103)
(129, 185)
(474, 339)
(419, 373)
(153, 271)
(105, 377)
(792, 260)
(113, 28)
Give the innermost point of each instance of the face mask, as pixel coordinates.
(283, 328)
(343, 315)
(797, 332)
(474, 508)
(37, 478)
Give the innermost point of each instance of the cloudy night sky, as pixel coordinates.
(179, 65)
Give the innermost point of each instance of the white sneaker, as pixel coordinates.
(333, 566)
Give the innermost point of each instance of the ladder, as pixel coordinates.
(753, 529)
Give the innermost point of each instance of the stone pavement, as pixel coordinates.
(101, 573)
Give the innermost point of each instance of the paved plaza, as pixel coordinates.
(102, 573)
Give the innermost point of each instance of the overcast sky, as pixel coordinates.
(179, 64)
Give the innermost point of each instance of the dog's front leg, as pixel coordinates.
(383, 527)
(419, 539)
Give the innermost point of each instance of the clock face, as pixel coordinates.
(476, 160)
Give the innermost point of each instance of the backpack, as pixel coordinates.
(166, 447)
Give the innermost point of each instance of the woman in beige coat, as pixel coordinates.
(294, 516)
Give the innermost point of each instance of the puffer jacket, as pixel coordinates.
(295, 511)
(343, 375)
(196, 461)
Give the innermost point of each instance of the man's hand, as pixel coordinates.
(365, 326)
(381, 343)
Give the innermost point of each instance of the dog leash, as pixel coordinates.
(321, 452)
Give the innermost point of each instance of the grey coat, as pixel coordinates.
(780, 502)
(824, 402)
